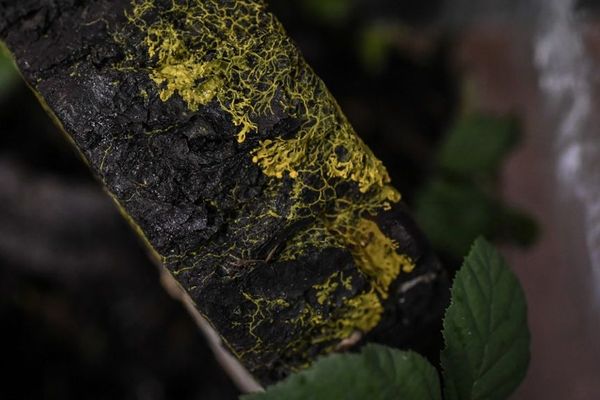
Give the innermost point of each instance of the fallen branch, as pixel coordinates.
(235, 164)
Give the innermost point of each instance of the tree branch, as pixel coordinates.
(235, 164)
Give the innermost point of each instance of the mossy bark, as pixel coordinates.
(239, 170)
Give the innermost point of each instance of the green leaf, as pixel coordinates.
(8, 73)
(478, 144)
(374, 47)
(485, 329)
(330, 11)
(518, 227)
(378, 373)
(454, 214)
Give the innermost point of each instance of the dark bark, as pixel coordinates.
(82, 310)
(220, 221)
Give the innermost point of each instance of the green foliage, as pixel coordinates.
(329, 11)
(377, 42)
(461, 202)
(378, 372)
(8, 72)
(453, 213)
(518, 227)
(374, 47)
(478, 144)
(485, 358)
(485, 330)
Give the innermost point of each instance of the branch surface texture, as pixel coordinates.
(237, 166)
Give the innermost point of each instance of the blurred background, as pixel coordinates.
(486, 115)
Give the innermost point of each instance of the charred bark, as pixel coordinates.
(236, 166)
